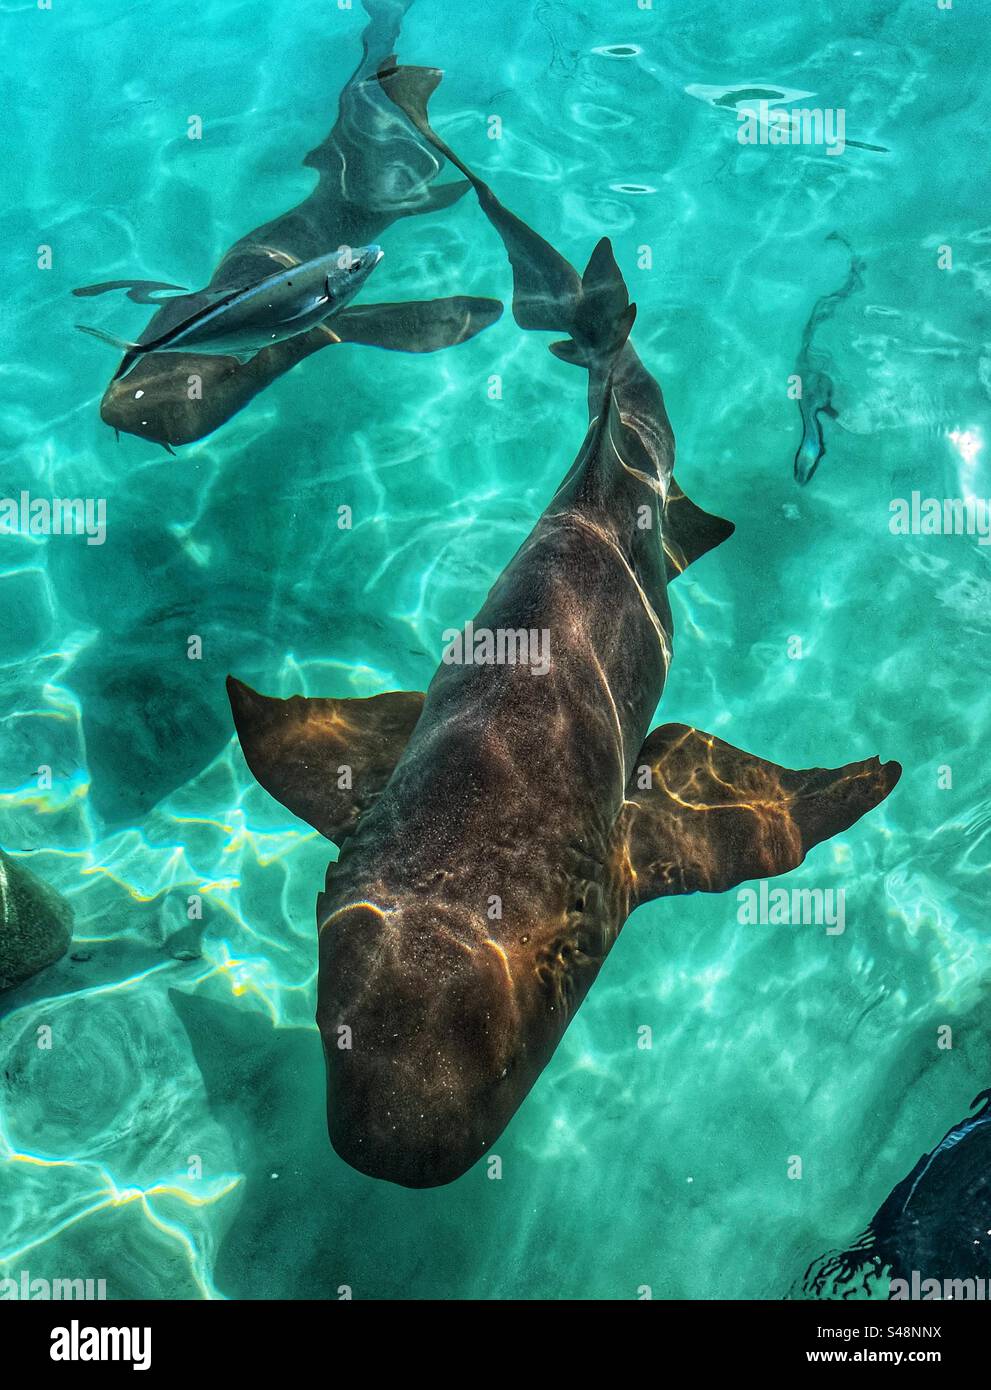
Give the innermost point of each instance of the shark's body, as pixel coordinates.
(372, 171)
(935, 1225)
(497, 833)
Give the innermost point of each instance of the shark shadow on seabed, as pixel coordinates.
(258, 1079)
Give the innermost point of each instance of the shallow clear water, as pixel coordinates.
(176, 1041)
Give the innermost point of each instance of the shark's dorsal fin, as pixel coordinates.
(713, 816)
(299, 748)
(689, 531)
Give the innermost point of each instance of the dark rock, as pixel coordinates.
(35, 923)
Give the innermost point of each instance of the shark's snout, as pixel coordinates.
(420, 1038)
(391, 1130)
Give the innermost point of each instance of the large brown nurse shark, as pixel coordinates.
(373, 170)
(497, 832)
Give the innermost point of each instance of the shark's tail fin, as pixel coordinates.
(547, 292)
(419, 85)
(601, 314)
(546, 288)
(364, 132)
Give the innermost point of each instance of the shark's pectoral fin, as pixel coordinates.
(325, 760)
(140, 291)
(689, 531)
(702, 816)
(421, 325)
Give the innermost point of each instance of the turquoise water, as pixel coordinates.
(172, 1140)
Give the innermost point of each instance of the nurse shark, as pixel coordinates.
(496, 832)
(932, 1231)
(372, 171)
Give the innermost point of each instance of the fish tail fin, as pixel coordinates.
(131, 351)
(602, 315)
(410, 88)
(546, 288)
(121, 344)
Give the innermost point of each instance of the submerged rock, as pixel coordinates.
(35, 923)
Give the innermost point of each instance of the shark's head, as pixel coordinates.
(426, 1057)
(171, 399)
(346, 272)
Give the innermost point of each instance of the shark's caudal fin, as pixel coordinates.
(546, 288)
(362, 92)
(711, 816)
(421, 325)
(302, 750)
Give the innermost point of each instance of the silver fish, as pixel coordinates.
(240, 322)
